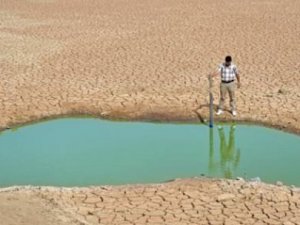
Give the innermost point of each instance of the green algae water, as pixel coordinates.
(80, 152)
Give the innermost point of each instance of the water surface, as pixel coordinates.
(79, 152)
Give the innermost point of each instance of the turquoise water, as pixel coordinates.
(79, 152)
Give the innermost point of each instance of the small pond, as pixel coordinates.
(88, 151)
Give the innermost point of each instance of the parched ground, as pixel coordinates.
(181, 202)
(26, 208)
(147, 59)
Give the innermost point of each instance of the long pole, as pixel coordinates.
(211, 163)
(211, 101)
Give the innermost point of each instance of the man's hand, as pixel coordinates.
(213, 75)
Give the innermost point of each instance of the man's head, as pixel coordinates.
(228, 60)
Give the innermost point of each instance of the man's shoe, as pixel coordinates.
(219, 112)
(234, 113)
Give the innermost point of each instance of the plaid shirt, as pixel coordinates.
(228, 73)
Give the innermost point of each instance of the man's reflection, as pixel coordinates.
(229, 155)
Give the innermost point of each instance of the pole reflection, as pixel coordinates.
(229, 156)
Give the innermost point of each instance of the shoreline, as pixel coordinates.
(156, 119)
(152, 184)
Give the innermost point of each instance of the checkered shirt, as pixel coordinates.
(228, 73)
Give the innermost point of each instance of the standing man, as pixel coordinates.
(229, 74)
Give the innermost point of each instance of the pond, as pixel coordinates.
(89, 151)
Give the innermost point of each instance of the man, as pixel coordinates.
(229, 74)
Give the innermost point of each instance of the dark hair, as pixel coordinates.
(228, 58)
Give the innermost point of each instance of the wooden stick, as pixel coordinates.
(211, 103)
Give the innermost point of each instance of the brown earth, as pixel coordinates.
(149, 60)
(189, 201)
(26, 208)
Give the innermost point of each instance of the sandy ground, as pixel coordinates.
(148, 59)
(27, 208)
(191, 201)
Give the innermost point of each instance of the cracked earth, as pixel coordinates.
(149, 59)
(189, 201)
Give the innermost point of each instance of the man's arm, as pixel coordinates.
(238, 79)
(237, 74)
(214, 74)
